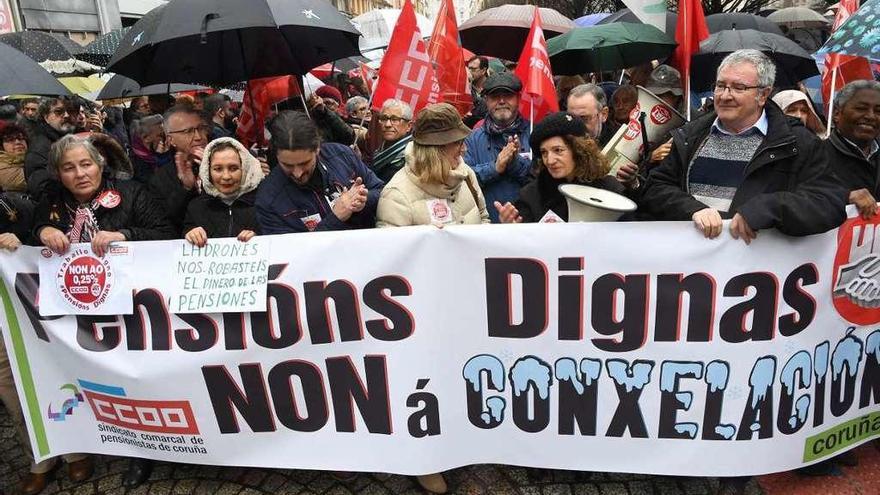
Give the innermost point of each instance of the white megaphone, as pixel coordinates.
(627, 144)
(590, 204)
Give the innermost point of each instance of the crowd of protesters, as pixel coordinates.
(73, 171)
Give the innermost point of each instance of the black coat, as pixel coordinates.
(172, 197)
(219, 219)
(851, 167)
(137, 216)
(17, 216)
(788, 184)
(540, 196)
(36, 162)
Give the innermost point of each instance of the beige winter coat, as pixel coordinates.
(407, 201)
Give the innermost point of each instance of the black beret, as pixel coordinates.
(556, 124)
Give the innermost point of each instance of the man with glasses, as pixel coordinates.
(746, 162)
(588, 102)
(53, 122)
(498, 151)
(395, 122)
(358, 117)
(478, 73)
(174, 185)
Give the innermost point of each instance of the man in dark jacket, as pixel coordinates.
(333, 129)
(217, 112)
(852, 147)
(174, 184)
(395, 121)
(588, 102)
(748, 162)
(53, 122)
(315, 186)
(498, 151)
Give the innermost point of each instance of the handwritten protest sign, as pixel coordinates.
(224, 275)
(83, 283)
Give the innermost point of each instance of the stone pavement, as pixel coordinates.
(183, 479)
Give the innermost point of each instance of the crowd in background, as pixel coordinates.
(72, 170)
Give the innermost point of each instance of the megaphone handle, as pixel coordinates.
(646, 153)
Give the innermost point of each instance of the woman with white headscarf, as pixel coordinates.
(229, 177)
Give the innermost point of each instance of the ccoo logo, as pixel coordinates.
(84, 279)
(660, 115)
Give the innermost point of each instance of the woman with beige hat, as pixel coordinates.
(435, 186)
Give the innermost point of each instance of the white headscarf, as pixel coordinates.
(251, 172)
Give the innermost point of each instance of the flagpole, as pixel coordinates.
(687, 94)
(531, 115)
(687, 63)
(369, 109)
(831, 101)
(302, 95)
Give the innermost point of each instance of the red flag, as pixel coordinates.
(533, 69)
(447, 56)
(262, 93)
(406, 73)
(689, 32)
(369, 75)
(849, 68)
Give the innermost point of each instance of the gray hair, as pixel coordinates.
(765, 67)
(590, 89)
(405, 110)
(180, 109)
(142, 126)
(353, 102)
(844, 95)
(67, 143)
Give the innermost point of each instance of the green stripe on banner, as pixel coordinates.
(842, 436)
(24, 371)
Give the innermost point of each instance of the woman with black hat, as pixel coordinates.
(435, 186)
(565, 155)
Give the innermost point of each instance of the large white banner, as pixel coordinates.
(602, 347)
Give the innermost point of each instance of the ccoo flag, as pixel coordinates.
(406, 73)
(448, 59)
(533, 69)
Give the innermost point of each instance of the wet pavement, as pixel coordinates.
(184, 479)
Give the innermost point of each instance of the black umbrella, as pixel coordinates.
(793, 63)
(19, 74)
(40, 46)
(626, 15)
(100, 51)
(122, 87)
(224, 41)
(736, 20)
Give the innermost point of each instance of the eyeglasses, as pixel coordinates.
(190, 132)
(735, 88)
(360, 109)
(59, 112)
(588, 118)
(12, 139)
(394, 119)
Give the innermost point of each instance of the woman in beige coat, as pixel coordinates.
(435, 187)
